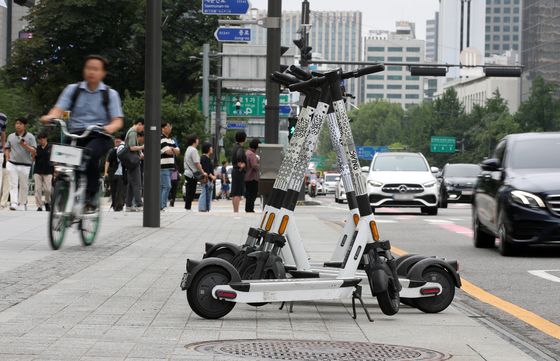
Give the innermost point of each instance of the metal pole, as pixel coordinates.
(272, 116)
(218, 120)
(462, 23)
(9, 7)
(206, 86)
(152, 114)
(468, 23)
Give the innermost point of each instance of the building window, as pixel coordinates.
(394, 96)
(414, 86)
(506, 28)
(375, 58)
(394, 86)
(507, 2)
(488, 27)
(413, 49)
(505, 37)
(516, 10)
(376, 48)
(515, 46)
(375, 77)
(496, 47)
(496, 37)
(497, 19)
(375, 86)
(516, 19)
(374, 96)
(487, 47)
(394, 77)
(497, 10)
(393, 49)
(507, 19)
(497, 2)
(516, 28)
(516, 2)
(488, 19)
(506, 47)
(412, 58)
(412, 96)
(487, 37)
(516, 38)
(394, 58)
(394, 68)
(496, 28)
(410, 77)
(507, 10)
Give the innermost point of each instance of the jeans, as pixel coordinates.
(190, 190)
(251, 190)
(19, 183)
(134, 188)
(205, 200)
(165, 186)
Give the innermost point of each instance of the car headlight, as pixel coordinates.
(374, 183)
(527, 199)
(429, 184)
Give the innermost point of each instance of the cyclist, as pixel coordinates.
(91, 102)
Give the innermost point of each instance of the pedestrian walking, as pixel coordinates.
(193, 170)
(20, 149)
(224, 176)
(174, 185)
(168, 150)
(252, 176)
(43, 173)
(5, 194)
(3, 123)
(133, 172)
(115, 174)
(239, 162)
(91, 102)
(205, 200)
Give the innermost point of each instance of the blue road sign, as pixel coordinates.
(236, 125)
(236, 35)
(225, 7)
(367, 152)
(285, 110)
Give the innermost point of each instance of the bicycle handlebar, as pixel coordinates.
(85, 134)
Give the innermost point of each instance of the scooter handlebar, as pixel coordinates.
(283, 78)
(299, 72)
(311, 83)
(364, 71)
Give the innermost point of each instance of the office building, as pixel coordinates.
(395, 84)
(503, 26)
(540, 53)
(336, 35)
(432, 38)
(18, 25)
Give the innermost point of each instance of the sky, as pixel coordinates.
(376, 14)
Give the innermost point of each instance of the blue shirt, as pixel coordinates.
(89, 108)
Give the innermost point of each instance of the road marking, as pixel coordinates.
(452, 227)
(520, 313)
(547, 276)
(437, 221)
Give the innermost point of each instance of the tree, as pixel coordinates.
(64, 32)
(541, 112)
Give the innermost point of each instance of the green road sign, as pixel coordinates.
(250, 105)
(442, 145)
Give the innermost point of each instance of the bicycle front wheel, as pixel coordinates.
(89, 224)
(58, 221)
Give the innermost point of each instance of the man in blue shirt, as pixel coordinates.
(91, 102)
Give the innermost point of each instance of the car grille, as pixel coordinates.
(402, 188)
(553, 203)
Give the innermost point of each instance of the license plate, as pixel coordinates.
(64, 154)
(403, 197)
(467, 193)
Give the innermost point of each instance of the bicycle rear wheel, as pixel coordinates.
(58, 221)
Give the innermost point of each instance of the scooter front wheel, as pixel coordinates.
(389, 300)
(200, 297)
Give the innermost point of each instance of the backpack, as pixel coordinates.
(104, 94)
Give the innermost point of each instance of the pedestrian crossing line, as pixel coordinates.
(530, 318)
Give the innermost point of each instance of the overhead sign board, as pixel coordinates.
(442, 144)
(249, 105)
(233, 35)
(367, 152)
(225, 7)
(236, 125)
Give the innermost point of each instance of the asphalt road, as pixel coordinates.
(530, 281)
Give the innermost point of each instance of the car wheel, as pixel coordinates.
(443, 200)
(506, 246)
(431, 211)
(481, 239)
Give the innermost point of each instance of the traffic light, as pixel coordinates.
(26, 3)
(291, 127)
(305, 51)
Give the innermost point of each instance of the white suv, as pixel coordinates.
(403, 180)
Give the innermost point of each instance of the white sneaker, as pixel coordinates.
(130, 209)
(164, 210)
(13, 207)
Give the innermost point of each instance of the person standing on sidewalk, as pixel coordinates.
(3, 122)
(5, 195)
(114, 173)
(252, 176)
(224, 176)
(205, 201)
(169, 150)
(134, 177)
(239, 162)
(192, 170)
(174, 185)
(20, 149)
(43, 173)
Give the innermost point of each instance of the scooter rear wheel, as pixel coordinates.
(199, 294)
(224, 253)
(442, 301)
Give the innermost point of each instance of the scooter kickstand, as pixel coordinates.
(291, 307)
(357, 295)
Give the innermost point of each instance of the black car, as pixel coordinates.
(457, 183)
(517, 195)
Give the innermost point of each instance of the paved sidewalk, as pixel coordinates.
(120, 299)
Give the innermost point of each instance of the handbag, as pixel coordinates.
(198, 175)
(128, 158)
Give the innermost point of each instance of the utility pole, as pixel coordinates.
(206, 85)
(218, 120)
(273, 52)
(9, 10)
(152, 114)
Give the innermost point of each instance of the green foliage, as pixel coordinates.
(541, 112)
(14, 103)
